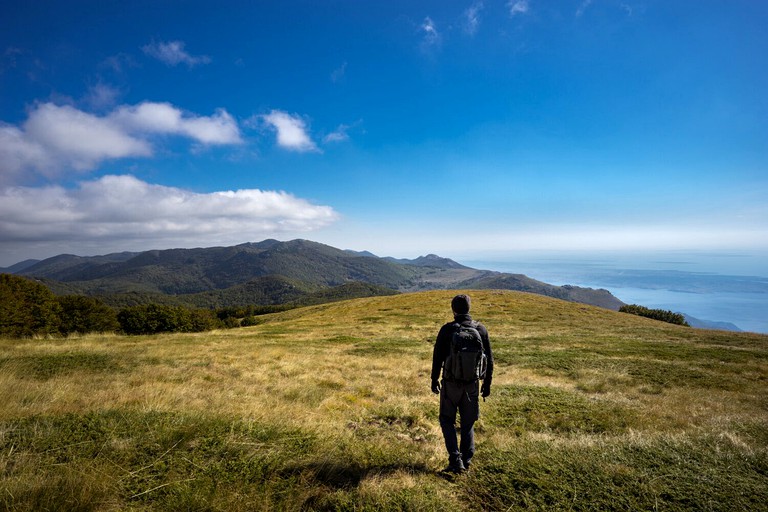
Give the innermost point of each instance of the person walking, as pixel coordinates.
(463, 353)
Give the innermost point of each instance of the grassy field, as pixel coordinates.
(329, 408)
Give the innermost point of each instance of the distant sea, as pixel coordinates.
(716, 287)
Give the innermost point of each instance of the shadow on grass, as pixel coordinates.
(347, 476)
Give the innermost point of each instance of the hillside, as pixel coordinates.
(328, 408)
(272, 272)
(522, 283)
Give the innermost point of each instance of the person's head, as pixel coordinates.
(460, 304)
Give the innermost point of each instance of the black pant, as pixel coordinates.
(464, 398)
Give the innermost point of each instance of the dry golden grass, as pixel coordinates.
(577, 390)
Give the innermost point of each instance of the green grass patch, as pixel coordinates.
(383, 347)
(657, 473)
(169, 460)
(47, 366)
(526, 409)
(647, 364)
(345, 339)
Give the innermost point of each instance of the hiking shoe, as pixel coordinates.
(455, 467)
(467, 463)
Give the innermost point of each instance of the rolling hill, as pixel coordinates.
(328, 407)
(273, 272)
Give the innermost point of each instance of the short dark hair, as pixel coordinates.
(460, 304)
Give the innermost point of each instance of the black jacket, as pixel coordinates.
(443, 347)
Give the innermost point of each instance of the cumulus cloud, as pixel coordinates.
(127, 209)
(164, 118)
(173, 54)
(291, 131)
(62, 136)
(517, 7)
(56, 138)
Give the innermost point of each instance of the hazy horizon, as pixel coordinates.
(717, 287)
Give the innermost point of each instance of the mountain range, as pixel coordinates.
(270, 273)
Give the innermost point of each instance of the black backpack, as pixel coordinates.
(466, 362)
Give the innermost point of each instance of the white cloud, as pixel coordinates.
(517, 7)
(19, 154)
(101, 96)
(173, 53)
(125, 209)
(291, 131)
(472, 18)
(56, 138)
(62, 136)
(431, 35)
(84, 138)
(164, 118)
(338, 74)
(340, 135)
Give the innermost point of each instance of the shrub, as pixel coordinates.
(231, 323)
(656, 314)
(155, 318)
(246, 316)
(249, 321)
(230, 312)
(202, 320)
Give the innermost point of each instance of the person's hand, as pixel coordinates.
(485, 389)
(436, 387)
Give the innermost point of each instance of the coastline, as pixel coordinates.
(710, 287)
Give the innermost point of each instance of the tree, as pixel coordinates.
(80, 314)
(27, 308)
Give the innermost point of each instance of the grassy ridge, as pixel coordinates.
(328, 408)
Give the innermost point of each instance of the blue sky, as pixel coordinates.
(456, 127)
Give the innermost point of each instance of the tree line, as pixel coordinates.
(28, 308)
(656, 314)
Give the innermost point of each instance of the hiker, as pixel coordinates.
(456, 353)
